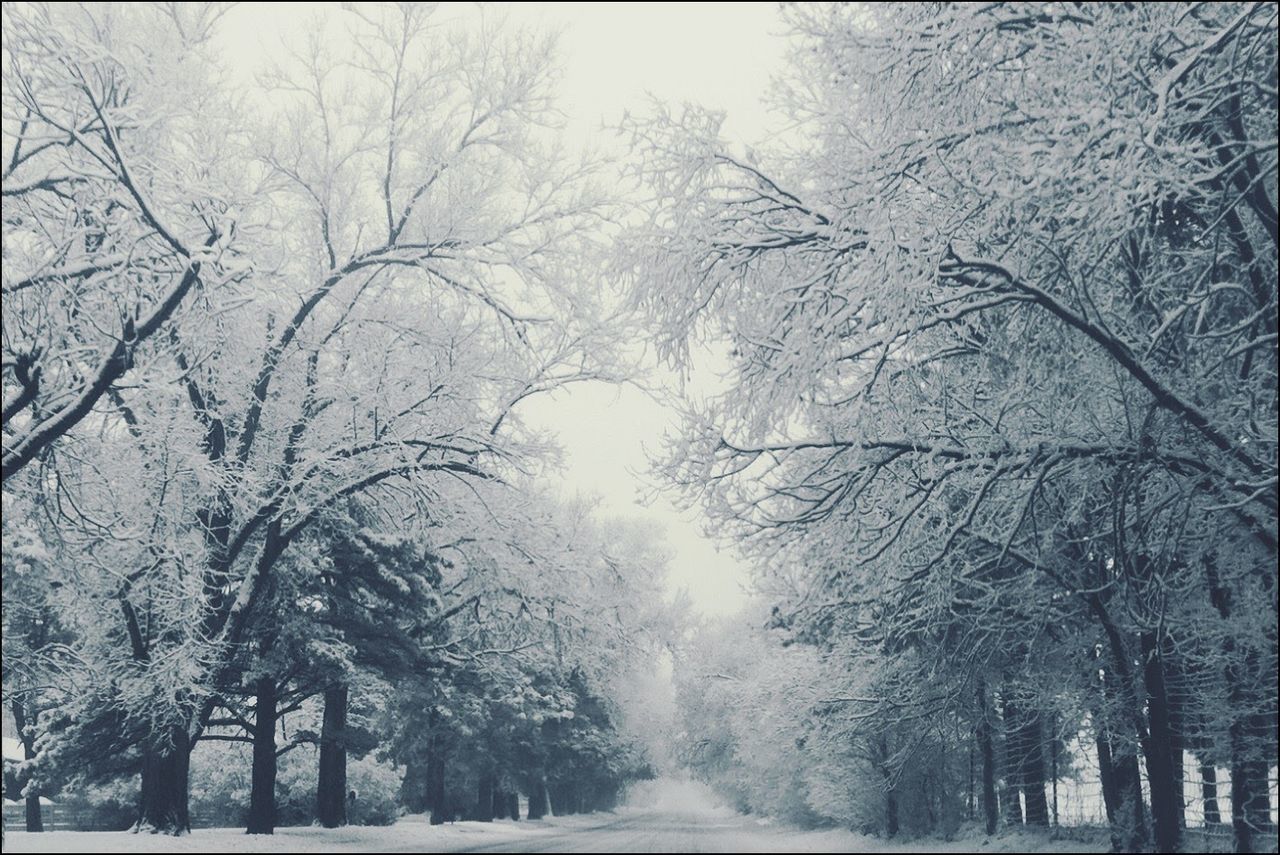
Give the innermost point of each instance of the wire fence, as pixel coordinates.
(1076, 799)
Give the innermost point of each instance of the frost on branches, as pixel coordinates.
(1001, 415)
(264, 355)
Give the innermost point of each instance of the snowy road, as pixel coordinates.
(651, 829)
(660, 831)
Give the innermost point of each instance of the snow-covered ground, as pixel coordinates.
(410, 834)
(632, 829)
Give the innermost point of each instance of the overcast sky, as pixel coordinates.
(615, 56)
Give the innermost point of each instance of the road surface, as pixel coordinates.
(666, 828)
(664, 831)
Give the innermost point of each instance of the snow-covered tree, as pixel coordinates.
(1002, 328)
(119, 216)
(412, 259)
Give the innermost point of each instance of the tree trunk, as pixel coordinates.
(413, 789)
(262, 795)
(1032, 766)
(1131, 814)
(990, 807)
(1250, 798)
(926, 801)
(560, 798)
(569, 797)
(165, 772)
(35, 822)
(513, 805)
(1010, 804)
(1250, 801)
(1053, 771)
(538, 805)
(1130, 819)
(1025, 753)
(497, 802)
(890, 811)
(1176, 681)
(1121, 792)
(484, 798)
(1209, 794)
(436, 797)
(1252, 753)
(1158, 746)
(1107, 775)
(609, 799)
(969, 792)
(331, 788)
(1241, 795)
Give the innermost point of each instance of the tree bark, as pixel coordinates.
(1250, 801)
(34, 821)
(1176, 681)
(1252, 738)
(990, 806)
(1030, 763)
(1129, 824)
(538, 806)
(1131, 814)
(1158, 746)
(1053, 770)
(165, 779)
(1209, 794)
(484, 798)
(890, 811)
(969, 791)
(1107, 775)
(331, 788)
(1250, 798)
(1010, 803)
(436, 801)
(1121, 791)
(262, 795)
(561, 798)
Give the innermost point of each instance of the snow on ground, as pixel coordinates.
(409, 834)
(675, 828)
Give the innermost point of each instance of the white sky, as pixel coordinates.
(614, 56)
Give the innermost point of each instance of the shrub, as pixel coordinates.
(376, 785)
(220, 785)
